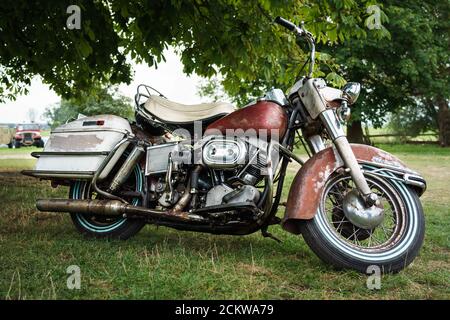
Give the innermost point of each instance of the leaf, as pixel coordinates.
(84, 48)
(335, 79)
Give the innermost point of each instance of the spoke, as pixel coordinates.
(377, 237)
(370, 238)
(352, 233)
(378, 242)
(340, 223)
(336, 195)
(356, 239)
(384, 230)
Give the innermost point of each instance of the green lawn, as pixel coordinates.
(21, 150)
(160, 263)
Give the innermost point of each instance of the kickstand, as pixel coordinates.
(267, 234)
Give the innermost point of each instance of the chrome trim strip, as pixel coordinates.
(92, 130)
(390, 167)
(402, 175)
(59, 174)
(409, 179)
(38, 154)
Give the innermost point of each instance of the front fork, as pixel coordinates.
(337, 135)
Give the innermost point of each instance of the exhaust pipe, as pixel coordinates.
(127, 167)
(97, 207)
(111, 208)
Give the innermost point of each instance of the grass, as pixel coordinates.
(160, 263)
(21, 150)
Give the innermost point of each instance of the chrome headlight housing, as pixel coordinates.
(351, 91)
(343, 113)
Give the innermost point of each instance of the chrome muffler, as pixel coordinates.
(97, 207)
(127, 167)
(111, 208)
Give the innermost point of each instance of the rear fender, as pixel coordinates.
(307, 187)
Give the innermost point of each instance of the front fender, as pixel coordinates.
(306, 189)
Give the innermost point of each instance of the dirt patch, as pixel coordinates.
(16, 179)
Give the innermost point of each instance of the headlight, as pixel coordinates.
(351, 91)
(343, 112)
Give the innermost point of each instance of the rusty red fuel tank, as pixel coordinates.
(261, 115)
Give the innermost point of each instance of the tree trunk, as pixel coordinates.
(354, 132)
(443, 122)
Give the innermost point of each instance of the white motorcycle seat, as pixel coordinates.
(173, 112)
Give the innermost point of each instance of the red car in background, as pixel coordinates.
(28, 135)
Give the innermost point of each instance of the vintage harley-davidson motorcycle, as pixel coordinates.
(211, 168)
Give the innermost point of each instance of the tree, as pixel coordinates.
(232, 38)
(408, 71)
(99, 101)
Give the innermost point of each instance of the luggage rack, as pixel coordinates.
(148, 89)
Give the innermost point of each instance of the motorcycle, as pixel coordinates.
(212, 168)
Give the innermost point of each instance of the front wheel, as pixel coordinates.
(392, 245)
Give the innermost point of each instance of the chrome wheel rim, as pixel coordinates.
(405, 228)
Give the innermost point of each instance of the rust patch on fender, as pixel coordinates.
(307, 187)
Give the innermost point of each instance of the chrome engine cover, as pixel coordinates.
(222, 193)
(224, 153)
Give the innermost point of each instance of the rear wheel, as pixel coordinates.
(104, 226)
(392, 245)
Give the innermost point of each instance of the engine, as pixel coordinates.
(231, 170)
(237, 165)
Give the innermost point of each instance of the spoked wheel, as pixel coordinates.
(391, 244)
(107, 226)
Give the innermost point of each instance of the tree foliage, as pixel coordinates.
(408, 121)
(406, 73)
(232, 38)
(98, 101)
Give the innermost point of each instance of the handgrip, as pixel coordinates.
(285, 23)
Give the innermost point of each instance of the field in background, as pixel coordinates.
(387, 136)
(160, 263)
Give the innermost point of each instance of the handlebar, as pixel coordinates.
(300, 32)
(285, 23)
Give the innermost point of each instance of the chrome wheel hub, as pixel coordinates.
(356, 212)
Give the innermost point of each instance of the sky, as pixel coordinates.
(169, 79)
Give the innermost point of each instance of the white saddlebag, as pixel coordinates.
(78, 149)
